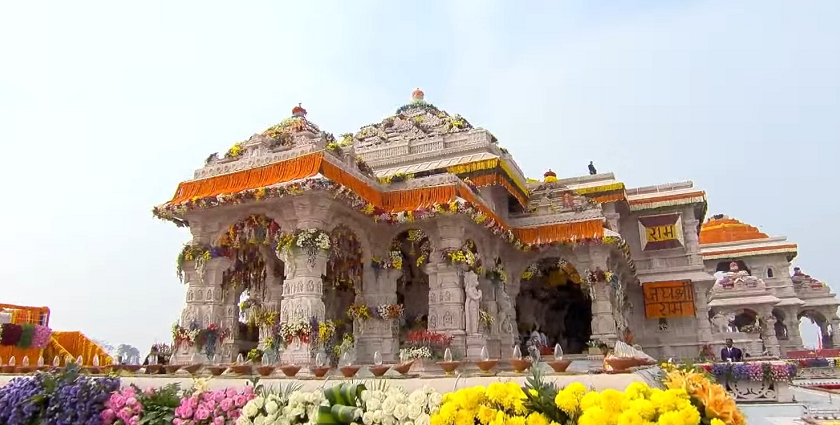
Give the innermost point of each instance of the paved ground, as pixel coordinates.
(807, 401)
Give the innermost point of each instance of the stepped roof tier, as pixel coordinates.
(723, 237)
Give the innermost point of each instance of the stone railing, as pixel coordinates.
(756, 382)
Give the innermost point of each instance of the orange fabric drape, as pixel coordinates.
(496, 179)
(410, 200)
(336, 174)
(8, 351)
(22, 314)
(561, 232)
(468, 196)
(77, 344)
(292, 169)
(55, 349)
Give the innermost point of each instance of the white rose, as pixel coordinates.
(250, 410)
(297, 412)
(388, 405)
(271, 407)
(373, 404)
(418, 397)
(401, 411)
(259, 402)
(282, 420)
(243, 420)
(389, 420)
(408, 423)
(367, 418)
(434, 400)
(427, 389)
(377, 416)
(259, 420)
(270, 420)
(365, 395)
(423, 419)
(414, 410)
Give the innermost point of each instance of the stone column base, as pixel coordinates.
(296, 354)
(474, 345)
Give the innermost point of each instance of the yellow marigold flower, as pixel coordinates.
(566, 402)
(643, 408)
(589, 400)
(629, 417)
(500, 419)
(637, 390)
(595, 416)
(690, 415)
(465, 417)
(670, 418)
(486, 415)
(717, 421)
(611, 400)
(536, 419)
(575, 388)
(515, 420)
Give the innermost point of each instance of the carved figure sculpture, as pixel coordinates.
(720, 322)
(473, 300)
(505, 313)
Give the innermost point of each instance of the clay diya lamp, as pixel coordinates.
(216, 370)
(290, 370)
(379, 370)
(154, 369)
(620, 364)
(172, 368)
(192, 369)
(265, 370)
(320, 371)
(559, 366)
(449, 367)
(403, 368)
(131, 368)
(520, 365)
(241, 369)
(486, 365)
(349, 371)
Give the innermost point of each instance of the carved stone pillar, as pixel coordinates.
(612, 216)
(835, 332)
(446, 292)
(302, 296)
(701, 312)
(603, 322)
(794, 336)
(204, 301)
(376, 334)
(768, 334)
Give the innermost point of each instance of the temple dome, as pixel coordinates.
(415, 120)
(724, 229)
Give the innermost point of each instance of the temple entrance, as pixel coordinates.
(552, 307)
(342, 280)
(409, 252)
(814, 325)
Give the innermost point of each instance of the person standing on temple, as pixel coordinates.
(730, 353)
(592, 170)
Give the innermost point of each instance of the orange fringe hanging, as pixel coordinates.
(496, 179)
(77, 344)
(414, 199)
(350, 181)
(568, 232)
(22, 314)
(285, 171)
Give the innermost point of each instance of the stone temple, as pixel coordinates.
(431, 224)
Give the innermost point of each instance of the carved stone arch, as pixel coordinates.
(359, 230)
(244, 215)
(537, 256)
(430, 231)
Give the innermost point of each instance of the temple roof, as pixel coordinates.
(722, 237)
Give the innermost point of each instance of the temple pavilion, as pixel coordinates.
(422, 221)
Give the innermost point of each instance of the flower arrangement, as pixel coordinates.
(414, 353)
(393, 261)
(767, 372)
(485, 319)
(751, 328)
(392, 405)
(419, 343)
(206, 338)
(311, 241)
(389, 311)
(531, 271)
(300, 329)
(599, 275)
(497, 274)
(255, 355)
(235, 151)
(222, 406)
(133, 406)
(196, 253)
(358, 312)
(24, 336)
(287, 406)
(713, 401)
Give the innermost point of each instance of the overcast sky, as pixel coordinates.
(105, 106)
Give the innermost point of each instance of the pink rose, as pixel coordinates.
(220, 420)
(192, 402)
(118, 401)
(241, 400)
(187, 413)
(248, 390)
(124, 413)
(202, 414)
(131, 401)
(226, 404)
(129, 392)
(218, 396)
(230, 392)
(107, 416)
(134, 420)
(210, 405)
(177, 421)
(149, 391)
(234, 414)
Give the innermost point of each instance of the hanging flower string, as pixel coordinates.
(310, 241)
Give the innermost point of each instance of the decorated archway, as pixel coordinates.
(409, 252)
(250, 244)
(780, 327)
(824, 330)
(553, 306)
(342, 281)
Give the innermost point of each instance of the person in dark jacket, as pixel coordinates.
(730, 353)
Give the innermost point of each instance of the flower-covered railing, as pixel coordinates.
(755, 381)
